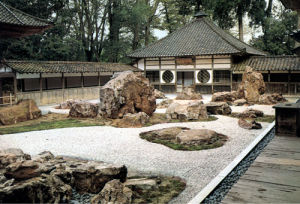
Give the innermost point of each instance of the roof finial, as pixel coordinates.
(200, 14)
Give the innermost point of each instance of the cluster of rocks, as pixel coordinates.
(132, 120)
(68, 104)
(49, 179)
(247, 119)
(189, 93)
(24, 110)
(185, 136)
(187, 111)
(251, 90)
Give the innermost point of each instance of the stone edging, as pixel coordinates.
(222, 175)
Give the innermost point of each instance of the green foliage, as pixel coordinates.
(276, 39)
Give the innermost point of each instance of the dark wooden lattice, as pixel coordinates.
(168, 76)
(203, 76)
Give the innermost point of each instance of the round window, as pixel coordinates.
(168, 76)
(203, 76)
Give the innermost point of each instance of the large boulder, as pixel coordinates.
(218, 108)
(252, 85)
(84, 110)
(189, 93)
(113, 192)
(23, 170)
(42, 189)
(24, 110)
(251, 113)
(224, 96)
(159, 95)
(249, 124)
(269, 99)
(190, 111)
(127, 93)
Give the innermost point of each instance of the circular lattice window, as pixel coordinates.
(168, 76)
(203, 76)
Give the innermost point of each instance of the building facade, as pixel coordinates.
(199, 54)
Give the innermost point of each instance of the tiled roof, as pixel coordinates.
(66, 67)
(10, 15)
(200, 37)
(270, 63)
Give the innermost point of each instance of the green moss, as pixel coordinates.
(167, 189)
(46, 125)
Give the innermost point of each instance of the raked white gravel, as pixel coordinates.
(123, 146)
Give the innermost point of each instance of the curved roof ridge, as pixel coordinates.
(14, 15)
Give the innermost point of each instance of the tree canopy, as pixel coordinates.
(107, 30)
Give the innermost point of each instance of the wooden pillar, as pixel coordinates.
(63, 86)
(289, 83)
(159, 72)
(212, 75)
(82, 80)
(1, 94)
(194, 75)
(99, 79)
(15, 86)
(269, 76)
(231, 80)
(41, 88)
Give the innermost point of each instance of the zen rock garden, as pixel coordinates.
(127, 101)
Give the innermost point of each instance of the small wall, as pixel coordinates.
(59, 95)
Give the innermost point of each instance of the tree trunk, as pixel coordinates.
(269, 9)
(241, 28)
(169, 27)
(114, 29)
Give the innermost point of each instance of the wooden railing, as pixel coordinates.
(7, 100)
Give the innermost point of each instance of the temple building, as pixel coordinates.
(199, 54)
(202, 55)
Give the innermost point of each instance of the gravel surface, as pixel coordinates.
(123, 146)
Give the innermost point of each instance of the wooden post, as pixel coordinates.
(82, 80)
(1, 94)
(63, 86)
(99, 79)
(10, 99)
(289, 83)
(269, 76)
(159, 72)
(41, 88)
(15, 86)
(231, 80)
(212, 75)
(194, 73)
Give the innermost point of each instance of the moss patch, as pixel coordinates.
(170, 141)
(265, 118)
(50, 121)
(167, 189)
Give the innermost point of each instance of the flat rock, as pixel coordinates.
(240, 102)
(195, 136)
(218, 108)
(224, 96)
(165, 133)
(249, 124)
(270, 99)
(251, 113)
